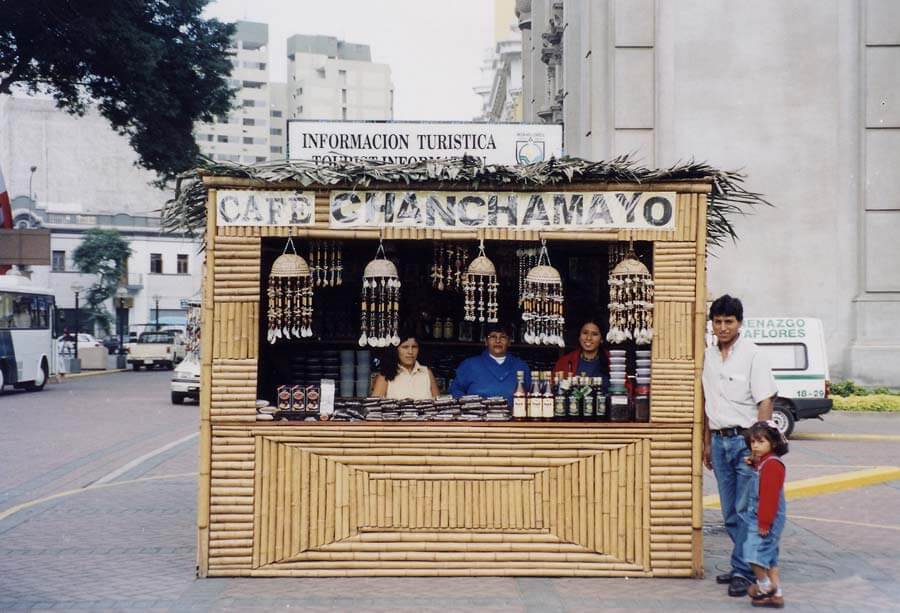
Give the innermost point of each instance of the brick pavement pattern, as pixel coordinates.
(132, 547)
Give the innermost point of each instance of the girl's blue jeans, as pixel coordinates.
(733, 477)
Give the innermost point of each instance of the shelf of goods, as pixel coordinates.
(351, 498)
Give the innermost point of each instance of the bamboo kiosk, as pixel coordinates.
(280, 498)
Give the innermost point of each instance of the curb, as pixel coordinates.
(815, 486)
(93, 373)
(846, 437)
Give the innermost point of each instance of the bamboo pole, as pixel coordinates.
(699, 345)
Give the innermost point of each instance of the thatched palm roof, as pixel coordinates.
(187, 211)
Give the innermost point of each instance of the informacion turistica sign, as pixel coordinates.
(404, 142)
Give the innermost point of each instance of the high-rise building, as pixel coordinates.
(797, 95)
(243, 134)
(328, 78)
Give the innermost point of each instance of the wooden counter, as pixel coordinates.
(433, 498)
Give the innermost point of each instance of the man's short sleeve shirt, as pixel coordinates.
(734, 386)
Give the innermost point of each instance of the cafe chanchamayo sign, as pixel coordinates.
(523, 210)
(247, 207)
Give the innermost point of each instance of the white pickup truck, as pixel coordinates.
(156, 349)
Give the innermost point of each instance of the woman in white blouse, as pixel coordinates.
(402, 376)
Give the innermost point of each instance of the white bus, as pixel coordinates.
(27, 356)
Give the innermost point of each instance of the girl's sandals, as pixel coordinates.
(771, 601)
(755, 592)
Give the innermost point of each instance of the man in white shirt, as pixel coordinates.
(739, 389)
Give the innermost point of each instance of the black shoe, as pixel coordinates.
(738, 586)
(724, 578)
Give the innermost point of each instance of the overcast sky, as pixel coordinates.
(435, 48)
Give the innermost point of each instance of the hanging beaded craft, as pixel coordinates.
(380, 302)
(290, 296)
(542, 303)
(630, 302)
(480, 289)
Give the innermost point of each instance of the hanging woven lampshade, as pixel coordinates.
(542, 303)
(380, 303)
(480, 289)
(290, 297)
(630, 302)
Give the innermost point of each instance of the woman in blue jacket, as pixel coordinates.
(493, 373)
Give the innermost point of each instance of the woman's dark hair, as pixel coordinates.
(767, 430)
(726, 305)
(498, 326)
(390, 361)
(590, 320)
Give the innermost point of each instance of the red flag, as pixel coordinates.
(5, 213)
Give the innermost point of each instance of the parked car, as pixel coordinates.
(155, 349)
(186, 380)
(65, 344)
(111, 343)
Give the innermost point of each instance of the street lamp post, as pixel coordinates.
(30, 180)
(121, 311)
(75, 365)
(156, 300)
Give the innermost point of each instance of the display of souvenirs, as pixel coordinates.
(542, 303)
(630, 302)
(480, 288)
(447, 267)
(290, 297)
(527, 259)
(380, 302)
(325, 262)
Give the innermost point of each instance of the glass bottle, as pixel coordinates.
(534, 397)
(547, 401)
(559, 399)
(587, 404)
(599, 399)
(519, 398)
(573, 399)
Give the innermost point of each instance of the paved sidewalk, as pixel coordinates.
(131, 546)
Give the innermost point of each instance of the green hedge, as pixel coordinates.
(849, 387)
(872, 402)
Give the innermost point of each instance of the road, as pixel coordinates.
(98, 503)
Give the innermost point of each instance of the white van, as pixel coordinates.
(795, 347)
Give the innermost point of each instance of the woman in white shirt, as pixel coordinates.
(402, 376)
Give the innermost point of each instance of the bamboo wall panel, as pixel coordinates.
(236, 330)
(672, 388)
(233, 396)
(236, 268)
(673, 325)
(675, 271)
(442, 500)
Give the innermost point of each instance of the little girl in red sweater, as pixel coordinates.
(765, 513)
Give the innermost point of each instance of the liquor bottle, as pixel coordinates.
(573, 399)
(448, 329)
(534, 397)
(559, 400)
(599, 399)
(587, 403)
(547, 401)
(519, 399)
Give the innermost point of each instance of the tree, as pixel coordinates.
(104, 253)
(152, 67)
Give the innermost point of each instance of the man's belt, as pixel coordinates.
(735, 431)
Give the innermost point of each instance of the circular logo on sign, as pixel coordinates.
(529, 152)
